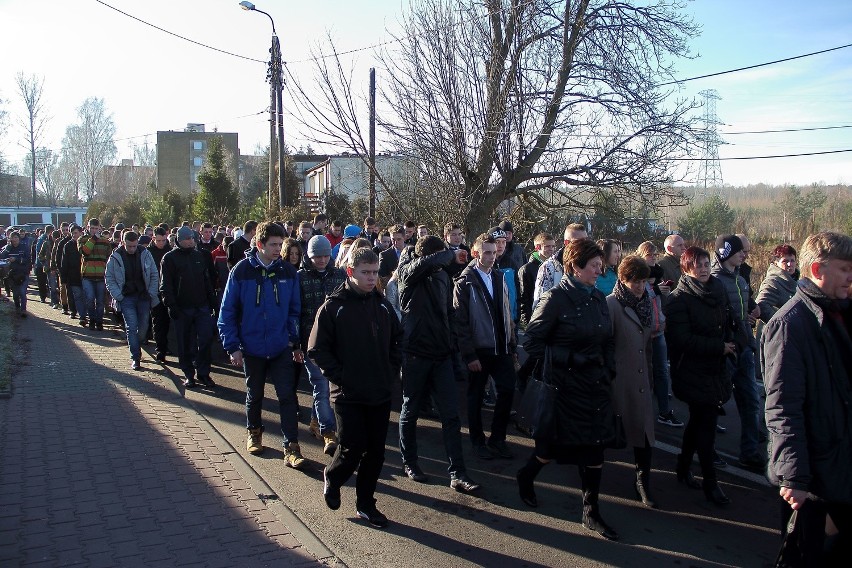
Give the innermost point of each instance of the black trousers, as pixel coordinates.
(160, 321)
(502, 369)
(41, 280)
(361, 433)
(699, 437)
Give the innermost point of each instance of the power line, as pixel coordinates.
(677, 81)
(178, 35)
(789, 130)
(767, 157)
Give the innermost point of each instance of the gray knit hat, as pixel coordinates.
(319, 246)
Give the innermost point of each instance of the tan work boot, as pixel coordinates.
(330, 440)
(314, 428)
(293, 456)
(254, 442)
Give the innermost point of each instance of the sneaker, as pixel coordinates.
(160, 356)
(500, 449)
(73, 315)
(83, 322)
(718, 461)
(314, 429)
(414, 473)
(254, 442)
(483, 453)
(92, 325)
(293, 456)
(135, 365)
(189, 383)
(669, 420)
(721, 429)
(372, 516)
(329, 443)
(100, 325)
(23, 314)
(330, 493)
(464, 484)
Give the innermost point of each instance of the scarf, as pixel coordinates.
(641, 305)
(579, 285)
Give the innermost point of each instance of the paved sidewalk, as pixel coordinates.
(104, 466)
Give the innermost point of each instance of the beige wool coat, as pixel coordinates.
(633, 387)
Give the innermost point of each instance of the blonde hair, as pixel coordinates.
(821, 248)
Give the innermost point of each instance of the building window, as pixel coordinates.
(196, 161)
(197, 145)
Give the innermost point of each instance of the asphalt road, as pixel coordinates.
(432, 525)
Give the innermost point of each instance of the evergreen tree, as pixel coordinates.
(217, 199)
(708, 220)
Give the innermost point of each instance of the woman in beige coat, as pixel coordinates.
(631, 313)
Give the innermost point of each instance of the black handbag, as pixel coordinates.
(535, 413)
(790, 553)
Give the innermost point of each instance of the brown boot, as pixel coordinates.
(293, 456)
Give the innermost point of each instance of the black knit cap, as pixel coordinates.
(727, 246)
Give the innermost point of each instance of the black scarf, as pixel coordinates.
(641, 305)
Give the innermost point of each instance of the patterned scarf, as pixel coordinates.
(640, 305)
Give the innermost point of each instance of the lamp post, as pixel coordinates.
(275, 77)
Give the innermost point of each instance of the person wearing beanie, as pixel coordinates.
(317, 280)
(186, 287)
(350, 232)
(514, 256)
(729, 256)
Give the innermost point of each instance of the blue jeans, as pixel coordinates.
(420, 378)
(321, 409)
(747, 397)
(194, 329)
(136, 309)
(278, 371)
(78, 299)
(94, 291)
(662, 379)
(19, 293)
(52, 285)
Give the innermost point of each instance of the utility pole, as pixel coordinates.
(278, 83)
(711, 171)
(372, 142)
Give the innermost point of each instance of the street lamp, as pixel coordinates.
(275, 77)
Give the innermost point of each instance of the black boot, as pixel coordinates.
(526, 476)
(684, 475)
(714, 493)
(592, 520)
(643, 475)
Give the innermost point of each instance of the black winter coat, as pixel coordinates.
(808, 398)
(69, 270)
(526, 281)
(576, 326)
(185, 280)
(426, 302)
(355, 341)
(698, 324)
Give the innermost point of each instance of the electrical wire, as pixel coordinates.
(787, 130)
(177, 35)
(764, 157)
(678, 81)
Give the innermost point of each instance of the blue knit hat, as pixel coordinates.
(351, 232)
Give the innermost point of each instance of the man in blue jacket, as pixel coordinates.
(259, 327)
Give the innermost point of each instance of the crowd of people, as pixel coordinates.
(358, 308)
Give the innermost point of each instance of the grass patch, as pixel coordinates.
(7, 334)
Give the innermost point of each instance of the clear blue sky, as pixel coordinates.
(152, 81)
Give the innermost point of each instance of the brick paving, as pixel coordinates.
(104, 466)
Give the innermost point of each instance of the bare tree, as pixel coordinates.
(89, 145)
(47, 175)
(34, 120)
(3, 129)
(544, 102)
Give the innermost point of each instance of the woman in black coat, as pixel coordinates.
(571, 322)
(699, 335)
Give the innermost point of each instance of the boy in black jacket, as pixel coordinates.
(355, 341)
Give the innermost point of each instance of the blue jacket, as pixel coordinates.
(260, 308)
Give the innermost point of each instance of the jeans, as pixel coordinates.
(94, 291)
(420, 378)
(361, 433)
(19, 293)
(52, 285)
(77, 300)
(749, 406)
(321, 409)
(135, 310)
(278, 371)
(502, 369)
(194, 328)
(662, 379)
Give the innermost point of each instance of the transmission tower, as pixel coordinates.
(710, 175)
